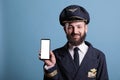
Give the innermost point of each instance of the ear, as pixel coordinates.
(64, 29)
(86, 28)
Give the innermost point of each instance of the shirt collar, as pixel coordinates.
(83, 47)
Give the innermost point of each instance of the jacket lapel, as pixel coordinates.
(67, 62)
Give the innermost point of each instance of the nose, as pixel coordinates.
(75, 30)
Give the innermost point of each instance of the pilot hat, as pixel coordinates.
(74, 13)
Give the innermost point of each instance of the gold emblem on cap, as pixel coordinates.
(72, 10)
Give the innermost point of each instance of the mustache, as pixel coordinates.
(73, 34)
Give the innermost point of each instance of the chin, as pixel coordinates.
(76, 39)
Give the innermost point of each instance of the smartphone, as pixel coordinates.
(45, 48)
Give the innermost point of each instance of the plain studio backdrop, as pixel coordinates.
(24, 22)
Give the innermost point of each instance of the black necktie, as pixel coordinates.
(76, 57)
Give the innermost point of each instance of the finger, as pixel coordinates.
(48, 62)
(39, 51)
(39, 57)
(39, 54)
(51, 53)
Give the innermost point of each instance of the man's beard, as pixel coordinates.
(74, 42)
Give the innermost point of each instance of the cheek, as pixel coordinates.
(68, 31)
(84, 30)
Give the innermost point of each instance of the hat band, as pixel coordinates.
(74, 18)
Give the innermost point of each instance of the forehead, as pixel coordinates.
(75, 23)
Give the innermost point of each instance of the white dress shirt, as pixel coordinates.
(83, 48)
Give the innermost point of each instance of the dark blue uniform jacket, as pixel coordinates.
(93, 66)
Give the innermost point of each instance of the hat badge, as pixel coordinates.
(72, 10)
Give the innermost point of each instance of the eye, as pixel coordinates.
(70, 27)
(79, 26)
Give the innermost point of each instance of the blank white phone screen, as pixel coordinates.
(45, 48)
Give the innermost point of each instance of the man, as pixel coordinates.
(78, 59)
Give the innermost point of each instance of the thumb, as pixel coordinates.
(52, 57)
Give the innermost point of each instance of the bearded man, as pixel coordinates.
(77, 59)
